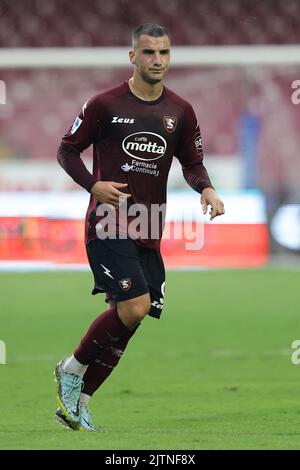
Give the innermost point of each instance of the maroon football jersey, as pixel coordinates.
(134, 142)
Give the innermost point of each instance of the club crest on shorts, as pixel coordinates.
(170, 123)
(125, 283)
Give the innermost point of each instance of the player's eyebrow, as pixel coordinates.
(151, 51)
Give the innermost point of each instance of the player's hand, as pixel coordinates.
(109, 192)
(210, 197)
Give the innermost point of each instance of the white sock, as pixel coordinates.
(72, 366)
(84, 399)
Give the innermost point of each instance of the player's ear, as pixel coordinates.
(132, 57)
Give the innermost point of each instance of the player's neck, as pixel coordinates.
(144, 90)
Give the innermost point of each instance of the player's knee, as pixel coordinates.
(135, 309)
(139, 311)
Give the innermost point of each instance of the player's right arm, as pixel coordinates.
(84, 132)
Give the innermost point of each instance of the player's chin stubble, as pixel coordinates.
(151, 80)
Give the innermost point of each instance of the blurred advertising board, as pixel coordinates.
(45, 230)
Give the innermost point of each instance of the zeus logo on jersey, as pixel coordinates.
(119, 120)
(145, 146)
(77, 123)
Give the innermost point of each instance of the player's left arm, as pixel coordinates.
(190, 154)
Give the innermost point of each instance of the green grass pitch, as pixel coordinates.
(214, 373)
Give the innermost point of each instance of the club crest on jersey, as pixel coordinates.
(170, 123)
(125, 283)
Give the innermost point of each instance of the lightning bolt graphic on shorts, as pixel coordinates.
(106, 271)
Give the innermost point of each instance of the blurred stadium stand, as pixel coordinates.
(61, 23)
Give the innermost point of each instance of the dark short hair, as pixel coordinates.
(154, 30)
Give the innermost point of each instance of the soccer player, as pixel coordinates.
(136, 128)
